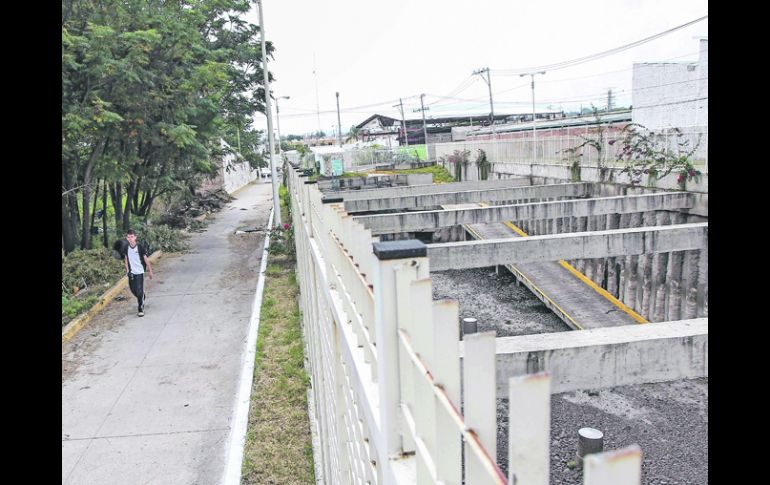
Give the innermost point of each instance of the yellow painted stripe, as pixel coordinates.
(523, 276)
(603, 292)
(590, 283)
(79, 322)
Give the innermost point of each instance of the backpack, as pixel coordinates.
(119, 249)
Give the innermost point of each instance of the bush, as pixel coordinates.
(282, 241)
(164, 238)
(73, 306)
(90, 267)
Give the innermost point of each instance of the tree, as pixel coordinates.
(148, 91)
(353, 133)
(643, 154)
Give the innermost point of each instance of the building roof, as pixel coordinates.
(614, 117)
(384, 120)
(326, 149)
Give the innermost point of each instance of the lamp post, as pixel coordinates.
(534, 130)
(268, 112)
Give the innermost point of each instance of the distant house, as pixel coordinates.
(379, 129)
(388, 131)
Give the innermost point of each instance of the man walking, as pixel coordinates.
(137, 262)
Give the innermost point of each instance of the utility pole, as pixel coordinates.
(317, 108)
(339, 125)
(403, 122)
(534, 130)
(424, 129)
(269, 113)
(609, 100)
(488, 80)
(278, 122)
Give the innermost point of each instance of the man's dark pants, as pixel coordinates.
(136, 283)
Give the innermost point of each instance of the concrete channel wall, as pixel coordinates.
(660, 285)
(607, 357)
(385, 367)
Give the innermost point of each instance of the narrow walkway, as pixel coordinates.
(149, 400)
(575, 302)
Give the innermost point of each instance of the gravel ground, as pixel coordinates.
(669, 421)
(496, 302)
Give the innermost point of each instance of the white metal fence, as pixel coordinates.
(551, 148)
(386, 373)
(369, 158)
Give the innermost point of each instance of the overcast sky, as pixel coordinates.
(375, 52)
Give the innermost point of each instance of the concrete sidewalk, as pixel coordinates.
(149, 400)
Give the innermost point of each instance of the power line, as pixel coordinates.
(581, 60)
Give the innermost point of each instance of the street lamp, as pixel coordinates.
(534, 130)
(268, 112)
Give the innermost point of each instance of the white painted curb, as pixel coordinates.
(240, 420)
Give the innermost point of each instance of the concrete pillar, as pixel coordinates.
(673, 284)
(612, 223)
(631, 282)
(590, 441)
(690, 284)
(702, 301)
(674, 276)
(469, 326)
(582, 224)
(645, 271)
(659, 263)
(590, 270)
(601, 263)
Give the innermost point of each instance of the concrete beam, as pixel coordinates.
(607, 357)
(431, 220)
(434, 188)
(466, 196)
(579, 245)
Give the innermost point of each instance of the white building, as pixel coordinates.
(667, 95)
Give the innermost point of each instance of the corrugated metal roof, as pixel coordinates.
(558, 123)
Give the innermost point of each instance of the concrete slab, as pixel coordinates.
(165, 459)
(195, 342)
(151, 398)
(71, 451)
(88, 398)
(174, 398)
(431, 220)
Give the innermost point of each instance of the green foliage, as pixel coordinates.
(596, 141)
(72, 306)
(282, 238)
(164, 238)
(89, 267)
(459, 159)
(440, 174)
(148, 91)
(643, 154)
(483, 164)
(353, 133)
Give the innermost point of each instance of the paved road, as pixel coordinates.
(149, 400)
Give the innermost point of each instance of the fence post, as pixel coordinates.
(529, 429)
(479, 398)
(619, 467)
(392, 255)
(446, 372)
